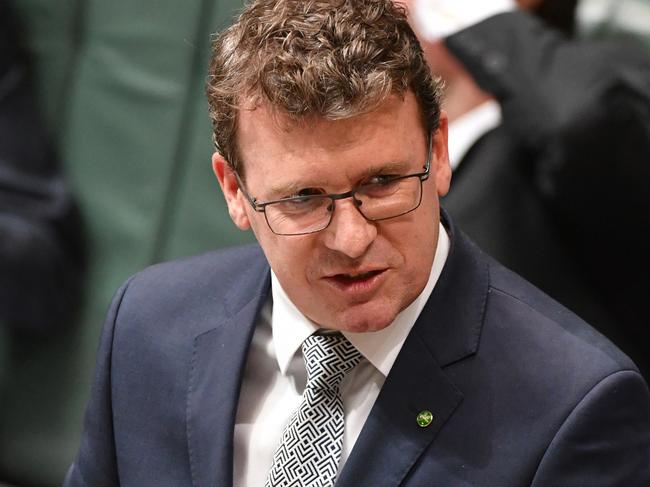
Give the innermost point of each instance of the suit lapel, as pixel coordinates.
(446, 332)
(391, 440)
(217, 368)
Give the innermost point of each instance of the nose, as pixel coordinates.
(349, 232)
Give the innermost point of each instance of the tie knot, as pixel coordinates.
(327, 359)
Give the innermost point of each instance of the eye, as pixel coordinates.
(304, 202)
(309, 192)
(303, 193)
(380, 186)
(381, 179)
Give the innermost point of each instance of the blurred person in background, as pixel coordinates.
(550, 145)
(40, 229)
(629, 19)
(120, 88)
(41, 238)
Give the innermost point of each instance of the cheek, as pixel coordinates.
(415, 240)
(417, 232)
(289, 257)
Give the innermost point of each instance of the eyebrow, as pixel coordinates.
(281, 190)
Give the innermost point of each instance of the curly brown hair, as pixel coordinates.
(320, 59)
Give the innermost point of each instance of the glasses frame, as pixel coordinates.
(261, 206)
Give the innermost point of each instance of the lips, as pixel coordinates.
(350, 278)
(357, 285)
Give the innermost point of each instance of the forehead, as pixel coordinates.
(271, 145)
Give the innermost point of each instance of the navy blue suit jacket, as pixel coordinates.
(522, 391)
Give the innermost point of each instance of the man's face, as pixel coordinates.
(355, 275)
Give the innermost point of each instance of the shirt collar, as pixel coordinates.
(471, 126)
(291, 327)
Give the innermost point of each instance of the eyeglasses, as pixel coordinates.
(388, 197)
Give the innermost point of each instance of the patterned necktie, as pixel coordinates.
(311, 443)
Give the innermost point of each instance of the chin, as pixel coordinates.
(364, 322)
(364, 328)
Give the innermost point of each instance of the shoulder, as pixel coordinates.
(193, 292)
(544, 332)
(583, 391)
(214, 269)
(226, 259)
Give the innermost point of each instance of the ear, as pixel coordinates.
(235, 200)
(440, 168)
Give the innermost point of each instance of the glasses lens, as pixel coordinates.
(299, 215)
(387, 200)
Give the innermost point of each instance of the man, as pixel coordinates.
(441, 367)
(550, 144)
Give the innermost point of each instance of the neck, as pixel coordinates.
(462, 94)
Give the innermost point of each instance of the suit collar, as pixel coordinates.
(446, 332)
(450, 324)
(216, 371)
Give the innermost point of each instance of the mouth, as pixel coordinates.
(357, 285)
(352, 278)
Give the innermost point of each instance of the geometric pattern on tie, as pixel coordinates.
(310, 450)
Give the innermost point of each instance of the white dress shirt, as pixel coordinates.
(275, 375)
(465, 131)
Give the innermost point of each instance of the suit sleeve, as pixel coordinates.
(605, 441)
(95, 464)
